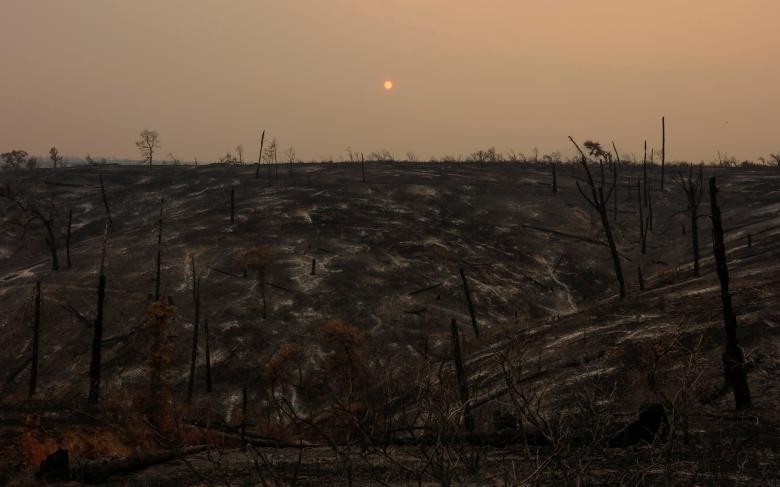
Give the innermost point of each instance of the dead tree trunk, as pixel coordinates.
(159, 254)
(313, 266)
(467, 292)
(643, 224)
(640, 278)
(663, 149)
(599, 202)
(644, 174)
(615, 169)
(244, 401)
(733, 357)
(97, 337)
(35, 340)
(105, 200)
(262, 294)
(208, 353)
(195, 321)
(67, 238)
(555, 179)
(460, 373)
(693, 192)
(260, 157)
(363, 166)
(232, 205)
(52, 244)
(649, 208)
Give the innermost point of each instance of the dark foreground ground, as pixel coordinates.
(559, 367)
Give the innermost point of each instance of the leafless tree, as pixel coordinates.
(14, 159)
(240, 154)
(26, 209)
(599, 201)
(260, 157)
(95, 364)
(693, 191)
(55, 156)
(147, 144)
(290, 155)
(735, 369)
(776, 158)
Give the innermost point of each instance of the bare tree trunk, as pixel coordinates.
(260, 157)
(67, 238)
(733, 356)
(363, 166)
(232, 205)
(644, 173)
(642, 230)
(262, 295)
(52, 244)
(105, 199)
(460, 373)
(159, 254)
(35, 340)
(313, 266)
(663, 149)
(640, 278)
(599, 202)
(208, 353)
(195, 321)
(244, 401)
(555, 179)
(97, 337)
(695, 239)
(613, 251)
(467, 292)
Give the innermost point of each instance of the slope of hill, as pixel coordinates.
(388, 254)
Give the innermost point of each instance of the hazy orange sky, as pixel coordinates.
(89, 75)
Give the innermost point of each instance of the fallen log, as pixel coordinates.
(226, 273)
(98, 471)
(429, 288)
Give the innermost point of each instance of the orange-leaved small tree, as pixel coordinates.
(155, 399)
(258, 260)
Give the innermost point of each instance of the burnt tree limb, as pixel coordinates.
(599, 200)
(460, 373)
(469, 302)
(733, 357)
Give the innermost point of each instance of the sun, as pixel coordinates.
(388, 85)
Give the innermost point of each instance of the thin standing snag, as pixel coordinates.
(232, 205)
(693, 192)
(467, 292)
(260, 157)
(105, 200)
(733, 357)
(555, 178)
(35, 340)
(598, 200)
(663, 149)
(67, 238)
(159, 253)
(644, 173)
(195, 321)
(97, 337)
(640, 278)
(208, 353)
(363, 166)
(615, 177)
(460, 373)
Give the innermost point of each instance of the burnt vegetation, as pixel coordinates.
(453, 322)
